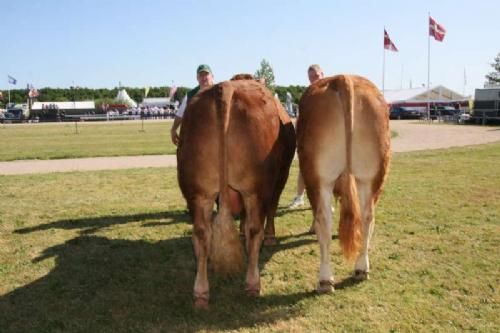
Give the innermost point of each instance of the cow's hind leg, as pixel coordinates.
(320, 200)
(362, 266)
(201, 212)
(243, 217)
(254, 233)
(269, 230)
(282, 177)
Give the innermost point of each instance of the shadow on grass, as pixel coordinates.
(285, 210)
(304, 234)
(115, 285)
(92, 224)
(347, 283)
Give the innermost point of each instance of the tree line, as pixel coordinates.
(106, 96)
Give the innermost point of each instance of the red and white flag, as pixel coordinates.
(436, 30)
(388, 44)
(33, 93)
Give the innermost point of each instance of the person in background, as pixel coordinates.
(315, 73)
(205, 79)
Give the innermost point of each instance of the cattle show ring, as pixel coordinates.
(204, 241)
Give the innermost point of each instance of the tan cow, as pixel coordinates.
(343, 143)
(235, 138)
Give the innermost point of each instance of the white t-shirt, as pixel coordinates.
(182, 108)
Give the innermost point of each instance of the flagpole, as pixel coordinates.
(383, 74)
(401, 84)
(428, 69)
(465, 81)
(383, 66)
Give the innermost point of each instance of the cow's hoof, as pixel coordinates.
(253, 291)
(325, 287)
(201, 303)
(270, 241)
(360, 275)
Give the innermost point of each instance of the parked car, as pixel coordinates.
(401, 112)
(443, 112)
(464, 117)
(7, 118)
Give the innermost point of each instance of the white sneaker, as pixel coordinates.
(297, 202)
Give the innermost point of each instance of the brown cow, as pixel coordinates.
(343, 142)
(235, 136)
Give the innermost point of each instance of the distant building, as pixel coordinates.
(69, 108)
(487, 104)
(417, 97)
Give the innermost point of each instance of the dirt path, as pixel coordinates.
(415, 135)
(412, 135)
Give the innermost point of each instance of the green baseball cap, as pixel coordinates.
(203, 68)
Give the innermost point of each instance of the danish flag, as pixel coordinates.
(388, 44)
(436, 30)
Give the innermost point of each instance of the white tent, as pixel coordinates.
(438, 94)
(124, 98)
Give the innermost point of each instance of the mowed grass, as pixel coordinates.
(111, 251)
(65, 140)
(46, 141)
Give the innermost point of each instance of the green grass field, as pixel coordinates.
(64, 140)
(48, 141)
(111, 251)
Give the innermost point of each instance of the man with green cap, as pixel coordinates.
(205, 80)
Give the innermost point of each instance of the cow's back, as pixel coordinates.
(254, 147)
(198, 146)
(321, 128)
(252, 138)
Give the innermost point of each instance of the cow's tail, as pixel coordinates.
(226, 253)
(350, 215)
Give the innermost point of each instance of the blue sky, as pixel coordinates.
(98, 43)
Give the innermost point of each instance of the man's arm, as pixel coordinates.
(173, 132)
(178, 121)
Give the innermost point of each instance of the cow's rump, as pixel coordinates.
(344, 147)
